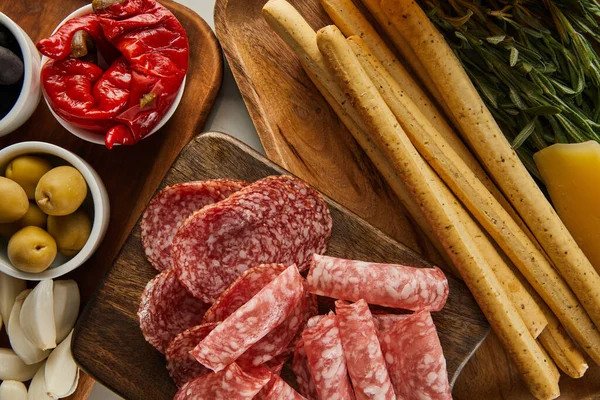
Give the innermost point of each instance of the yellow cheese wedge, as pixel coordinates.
(571, 173)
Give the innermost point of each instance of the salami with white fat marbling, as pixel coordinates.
(278, 389)
(362, 352)
(306, 384)
(277, 219)
(388, 285)
(252, 321)
(182, 366)
(415, 359)
(170, 207)
(167, 309)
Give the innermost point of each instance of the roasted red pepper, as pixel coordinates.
(153, 44)
(85, 95)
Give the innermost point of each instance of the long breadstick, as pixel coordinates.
(530, 261)
(481, 130)
(300, 36)
(438, 205)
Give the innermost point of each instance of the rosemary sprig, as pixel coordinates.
(533, 62)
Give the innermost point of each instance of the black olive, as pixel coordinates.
(11, 67)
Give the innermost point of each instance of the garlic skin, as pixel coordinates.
(37, 387)
(9, 289)
(19, 343)
(12, 368)
(66, 307)
(37, 316)
(61, 369)
(13, 390)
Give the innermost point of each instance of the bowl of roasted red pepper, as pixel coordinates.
(114, 71)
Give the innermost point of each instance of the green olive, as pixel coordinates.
(33, 217)
(27, 171)
(14, 202)
(61, 191)
(71, 232)
(31, 249)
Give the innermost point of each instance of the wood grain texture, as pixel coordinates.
(300, 131)
(131, 174)
(109, 344)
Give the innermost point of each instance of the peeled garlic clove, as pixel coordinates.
(19, 343)
(12, 368)
(37, 387)
(9, 289)
(13, 390)
(66, 307)
(74, 387)
(61, 369)
(37, 316)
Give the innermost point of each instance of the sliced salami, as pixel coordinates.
(182, 366)
(364, 359)
(252, 321)
(232, 383)
(274, 220)
(170, 207)
(167, 309)
(326, 362)
(311, 309)
(415, 359)
(306, 384)
(242, 290)
(383, 322)
(387, 285)
(278, 389)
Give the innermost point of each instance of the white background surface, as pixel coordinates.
(229, 115)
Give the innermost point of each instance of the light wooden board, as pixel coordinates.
(109, 343)
(301, 132)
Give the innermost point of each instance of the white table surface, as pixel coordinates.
(229, 115)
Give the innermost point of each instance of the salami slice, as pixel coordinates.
(311, 309)
(383, 322)
(306, 384)
(170, 207)
(415, 359)
(232, 383)
(278, 389)
(182, 366)
(167, 309)
(387, 285)
(252, 321)
(274, 220)
(326, 362)
(364, 359)
(242, 290)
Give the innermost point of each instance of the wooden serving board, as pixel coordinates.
(131, 174)
(301, 132)
(109, 344)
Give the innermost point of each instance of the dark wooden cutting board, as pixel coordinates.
(108, 342)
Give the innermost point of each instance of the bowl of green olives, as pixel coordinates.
(54, 213)
(20, 89)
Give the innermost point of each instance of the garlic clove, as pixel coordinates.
(37, 387)
(74, 387)
(61, 369)
(12, 368)
(9, 289)
(19, 343)
(13, 390)
(37, 316)
(66, 307)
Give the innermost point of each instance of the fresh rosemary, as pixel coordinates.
(534, 64)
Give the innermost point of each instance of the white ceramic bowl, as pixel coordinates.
(31, 91)
(96, 204)
(95, 137)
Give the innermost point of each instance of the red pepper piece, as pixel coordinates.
(83, 94)
(154, 42)
(58, 46)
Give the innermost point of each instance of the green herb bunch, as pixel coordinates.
(534, 64)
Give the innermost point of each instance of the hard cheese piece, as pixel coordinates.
(252, 321)
(229, 384)
(571, 173)
(362, 352)
(415, 359)
(326, 362)
(387, 285)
